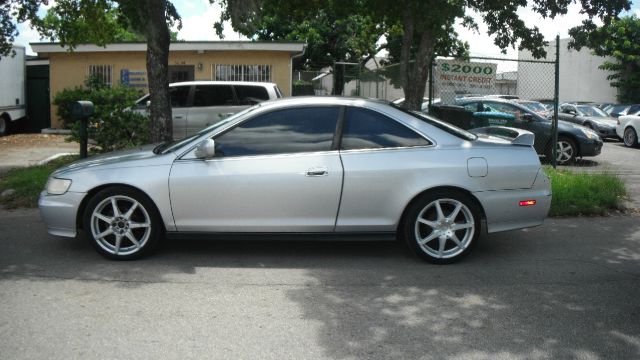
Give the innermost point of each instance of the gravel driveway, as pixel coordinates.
(22, 150)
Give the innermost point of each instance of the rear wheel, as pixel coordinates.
(3, 125)
(630, 137)
(122, 223)
(442, 227)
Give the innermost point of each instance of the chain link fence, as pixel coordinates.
(480, 92)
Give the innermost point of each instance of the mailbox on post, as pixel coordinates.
(82, 110)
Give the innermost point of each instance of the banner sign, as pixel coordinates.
(454, 77)
(133, 78)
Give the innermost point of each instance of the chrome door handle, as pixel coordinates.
(318, 171)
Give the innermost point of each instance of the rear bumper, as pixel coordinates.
(59, 212)
(503, 211)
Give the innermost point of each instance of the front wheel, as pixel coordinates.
(442, 227)
(630, 137)
(122, 223)
(566, 151)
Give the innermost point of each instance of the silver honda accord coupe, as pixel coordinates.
(319, 167)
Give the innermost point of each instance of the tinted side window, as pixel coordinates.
(506, 108)
(279, 132)
(367, 129)
(179, 95)
(213, 95)
(251, 95)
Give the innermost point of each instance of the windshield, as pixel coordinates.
(591, 111)
(176, 144)
(534, 106)
(453, 130)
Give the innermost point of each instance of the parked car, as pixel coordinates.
(534, 106)
(591, 117)
(198, 104)
(573, 140)
(328, 167)
(628, 129)
(622, 109)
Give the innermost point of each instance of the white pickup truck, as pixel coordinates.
(12, 89)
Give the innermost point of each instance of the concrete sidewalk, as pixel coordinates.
(22, 150)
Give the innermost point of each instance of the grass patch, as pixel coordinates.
(28, 182)
(584, 193)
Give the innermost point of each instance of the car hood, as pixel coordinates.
(137, 157)
(611, 121)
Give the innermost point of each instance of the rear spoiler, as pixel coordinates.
(516, 136)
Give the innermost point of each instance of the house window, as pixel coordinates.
(102, 73)
(258, 73)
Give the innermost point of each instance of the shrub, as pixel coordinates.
(105, 99)
(111, 127)
(120, 129)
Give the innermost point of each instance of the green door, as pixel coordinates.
(38, 106)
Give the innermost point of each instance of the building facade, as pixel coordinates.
(580, 77)
(125, 64)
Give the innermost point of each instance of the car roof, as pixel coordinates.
(211, 82)
(325, 100)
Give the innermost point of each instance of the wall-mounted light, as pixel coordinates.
(200, 66)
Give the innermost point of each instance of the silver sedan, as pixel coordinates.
(321, 167)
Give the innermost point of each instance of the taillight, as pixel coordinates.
(527, 202)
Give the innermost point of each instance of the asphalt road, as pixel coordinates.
(568, 289)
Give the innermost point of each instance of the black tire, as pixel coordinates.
(630, 138)
(563, 143)
(4, 125)
(142, 224)
(415, 233)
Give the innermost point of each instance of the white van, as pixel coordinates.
(198, 104)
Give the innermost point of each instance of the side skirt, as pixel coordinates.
(253, 236)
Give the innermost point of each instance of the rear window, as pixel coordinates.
(453, 130)
(278, 92)
(251, 95)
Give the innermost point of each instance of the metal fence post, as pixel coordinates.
(554, 126)
(431, 64)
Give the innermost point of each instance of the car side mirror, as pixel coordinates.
(527, 117)
(206, 149)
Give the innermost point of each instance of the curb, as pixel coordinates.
(53, 157)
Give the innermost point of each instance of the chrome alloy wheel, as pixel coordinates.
(564, 151)
(444, 228)
(120, 225)
(630, 137)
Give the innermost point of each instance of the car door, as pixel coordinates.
(211, 103)
(380, 157)
(276, 172)
(179, 109)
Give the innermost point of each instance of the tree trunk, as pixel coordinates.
(414, 77)
(158, 39)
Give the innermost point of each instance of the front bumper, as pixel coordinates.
(59, 212)
(607, 132)
(590, 147)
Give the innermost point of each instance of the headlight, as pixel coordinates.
(589, 133)
(57, 186)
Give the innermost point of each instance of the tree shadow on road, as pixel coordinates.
(567, 289)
